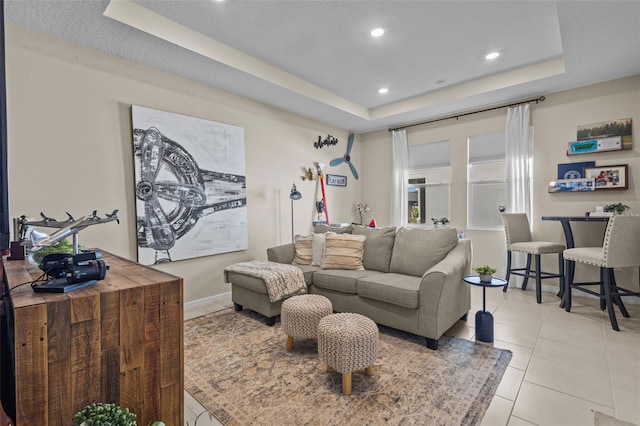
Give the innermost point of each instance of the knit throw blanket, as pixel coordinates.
(281, 280)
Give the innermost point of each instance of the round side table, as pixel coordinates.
(484, 319)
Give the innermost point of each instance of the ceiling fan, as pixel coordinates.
(346, 158)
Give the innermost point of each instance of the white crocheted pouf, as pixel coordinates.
(348, 342)
(299, 316)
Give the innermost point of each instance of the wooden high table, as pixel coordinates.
(118, 341)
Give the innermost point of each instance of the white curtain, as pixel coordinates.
(399, 179)
(518, 153)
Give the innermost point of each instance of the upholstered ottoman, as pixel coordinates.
(300, 315)
(346, 343)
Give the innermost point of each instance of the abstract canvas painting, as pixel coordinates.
(190, 186)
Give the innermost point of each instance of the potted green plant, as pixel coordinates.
(618, 208)
(485, 272)
(99, 414)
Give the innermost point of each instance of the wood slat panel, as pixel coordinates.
(31, 359)
(110, 320)
(61, 408)
(131, 329)
(131, 393)
(171, 333)
(152, 358)
(85, 362)
(174, 394)
(110, 373)
(59, 330)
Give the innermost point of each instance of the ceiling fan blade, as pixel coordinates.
(159, 231)
(353, 170)
(151, 154)
(185, 194)
(350, 143)
(337, 161)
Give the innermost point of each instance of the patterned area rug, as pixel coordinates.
(238, 369)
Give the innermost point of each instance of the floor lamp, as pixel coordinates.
(294, 195)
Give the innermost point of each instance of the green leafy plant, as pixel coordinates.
(484, 270)
(414, 214)
(104, 415)
(619, 208)
(62, 246)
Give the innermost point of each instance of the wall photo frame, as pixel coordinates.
(609, 177)
(573, 170)
(336, 180)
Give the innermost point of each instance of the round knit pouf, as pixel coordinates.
(300, 315)
(346, 343)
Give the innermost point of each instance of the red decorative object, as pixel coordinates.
(324, 198)
(372, 224)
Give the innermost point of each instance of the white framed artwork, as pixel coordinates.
(190, 186)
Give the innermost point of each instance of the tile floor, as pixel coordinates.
(564, 364)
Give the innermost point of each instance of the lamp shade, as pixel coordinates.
(295, 194)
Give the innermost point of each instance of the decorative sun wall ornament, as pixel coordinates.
(328, 141)
(346, 158)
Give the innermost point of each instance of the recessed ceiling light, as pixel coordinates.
(492, 55)
(383, 90)
(377, 32)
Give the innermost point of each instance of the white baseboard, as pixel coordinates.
(222, 299)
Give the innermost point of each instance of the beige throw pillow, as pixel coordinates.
(343, 251)
(304, 252)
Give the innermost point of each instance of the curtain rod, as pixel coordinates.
(457, 116)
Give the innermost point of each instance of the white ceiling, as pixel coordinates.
(317, 58)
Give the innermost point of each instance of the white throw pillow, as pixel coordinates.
(318, 243)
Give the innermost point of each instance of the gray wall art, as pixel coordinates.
(189, 186)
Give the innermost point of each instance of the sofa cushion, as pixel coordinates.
(336, 229)
(304, 251)
(343, 251)
(397, 289)
(318, 241)
(344, 281)
(308, 272)
(377, 247)
(415, 251)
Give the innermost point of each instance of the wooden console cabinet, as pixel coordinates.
(117, 341)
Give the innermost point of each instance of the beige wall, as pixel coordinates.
(70, 149)
(554, 121)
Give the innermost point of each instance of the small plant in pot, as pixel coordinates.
(618, 208)
(104, 414)
(100, 414)
(485, 272)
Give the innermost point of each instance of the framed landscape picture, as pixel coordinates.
(608, 177)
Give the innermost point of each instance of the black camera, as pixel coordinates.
(63, 268)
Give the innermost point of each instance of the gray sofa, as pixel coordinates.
(411, 281)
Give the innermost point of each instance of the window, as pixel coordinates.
(486, 175)
(429, 181)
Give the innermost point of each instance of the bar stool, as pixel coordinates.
(621, 249)
(518, 234)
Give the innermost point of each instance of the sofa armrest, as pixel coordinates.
(281, 254)
(444, 296)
